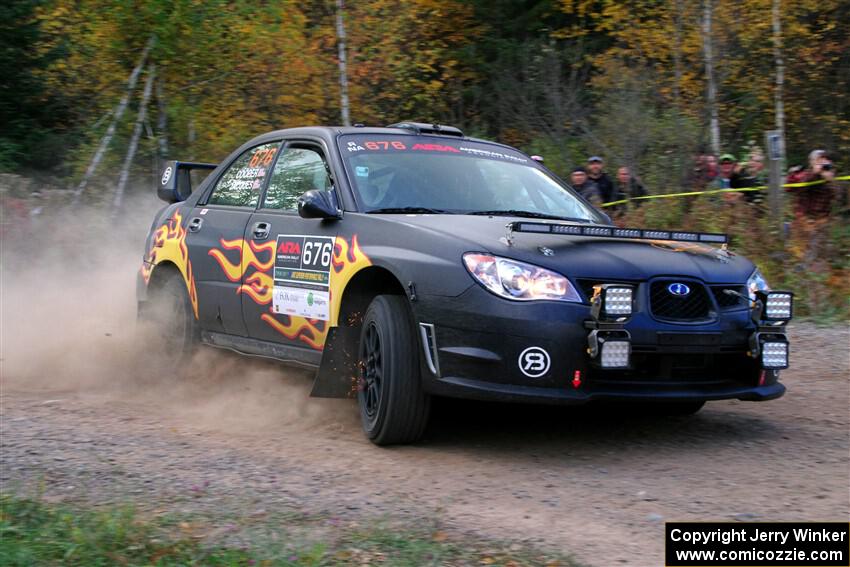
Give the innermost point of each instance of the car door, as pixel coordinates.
(215, 238)
(286, 296)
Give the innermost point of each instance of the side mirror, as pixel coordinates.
(318, 204)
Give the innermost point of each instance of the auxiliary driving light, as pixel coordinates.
(615, 354)
(774, 355)
(610, 348)
(771, 310)
(612, 302)
(777, 305)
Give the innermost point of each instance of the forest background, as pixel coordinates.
(643, 83)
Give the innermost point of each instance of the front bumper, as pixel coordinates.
(477, 344)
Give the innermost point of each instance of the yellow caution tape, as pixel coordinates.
(716, 191)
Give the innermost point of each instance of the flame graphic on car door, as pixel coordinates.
(169, 245)
(348, 259)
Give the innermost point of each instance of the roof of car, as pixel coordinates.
(333, 131)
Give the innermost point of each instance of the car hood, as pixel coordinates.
(584, 256)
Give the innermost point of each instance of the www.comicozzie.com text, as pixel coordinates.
(755, 534)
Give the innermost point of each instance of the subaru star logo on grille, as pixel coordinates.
(679, 289)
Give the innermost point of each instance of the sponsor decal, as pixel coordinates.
(166, 175)
(435, 148)
(288, 279)
(302, 276)
(534, 362)
(492, 154)
(363, 144)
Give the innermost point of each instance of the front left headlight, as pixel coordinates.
(756, 283)
(517, 280)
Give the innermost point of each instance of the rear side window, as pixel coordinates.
(241, 184)
(297, 171)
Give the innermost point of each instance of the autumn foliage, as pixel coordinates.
(562, 78)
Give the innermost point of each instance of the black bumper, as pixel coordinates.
(479, 338)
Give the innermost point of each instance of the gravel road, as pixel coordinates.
(242, 437)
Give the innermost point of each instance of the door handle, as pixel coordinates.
(195, 224)
(261, 230)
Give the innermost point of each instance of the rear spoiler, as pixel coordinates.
(614, 232)
(175, 183)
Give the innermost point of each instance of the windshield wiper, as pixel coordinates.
(528, 214)
(409, 210)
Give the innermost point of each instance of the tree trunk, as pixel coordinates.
(116, 117)
(118, 201)
(343, 71)
(681, 152)
(780, 78)
(191, 136)
(714, 120)
(161, 123)
(677, 54)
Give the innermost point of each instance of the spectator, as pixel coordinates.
(814, 201)
(753, 175)
(705, 170)
(813, 205)
(595, 164)
(711, 171)
(729, 177)
(585, 187)
(728, 172)
(627, 187)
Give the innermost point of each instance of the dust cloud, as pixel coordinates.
(68, 328)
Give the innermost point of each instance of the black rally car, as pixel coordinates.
(412, 261)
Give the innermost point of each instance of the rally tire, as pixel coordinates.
(170, 319)
(393, 407)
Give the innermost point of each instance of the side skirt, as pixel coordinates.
(243, 345)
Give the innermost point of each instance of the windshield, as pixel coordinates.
(445, 175)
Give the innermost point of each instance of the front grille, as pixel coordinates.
(695, 306)
(728, 301)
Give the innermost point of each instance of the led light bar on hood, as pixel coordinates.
(614, 232)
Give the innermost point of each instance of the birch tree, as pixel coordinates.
(780, 76)
(117, 114)
(343, 72)
(711, 84)
(118, 200)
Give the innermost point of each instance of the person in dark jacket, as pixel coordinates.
(595, 173)
(585, 187)
(753, 175)
(627, 187)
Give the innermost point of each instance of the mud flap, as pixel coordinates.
(337, 376)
